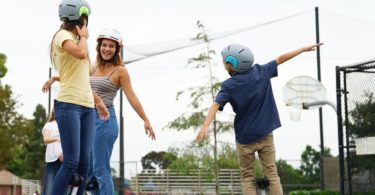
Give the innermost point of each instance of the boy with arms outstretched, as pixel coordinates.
(249, 92)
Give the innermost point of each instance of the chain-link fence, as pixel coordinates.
(356, 120)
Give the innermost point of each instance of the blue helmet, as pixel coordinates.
(239, 56)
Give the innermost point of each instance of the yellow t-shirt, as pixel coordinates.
(74, 73)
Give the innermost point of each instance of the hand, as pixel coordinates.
(202, 135)
(311, 47)
(102, 110)
(149, 131)
(47, 85)
(82, 32)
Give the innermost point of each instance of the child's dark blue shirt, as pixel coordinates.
(251, 97)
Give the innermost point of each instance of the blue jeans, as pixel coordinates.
(50, 170)
(106, 133)
(76, 125)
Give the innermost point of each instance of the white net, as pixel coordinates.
(134, 53)
(295, 113)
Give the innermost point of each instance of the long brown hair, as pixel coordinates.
(116, 59)
(51, 116)
(69, 26)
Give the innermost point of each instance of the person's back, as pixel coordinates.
(74, 105)
(251, 97)
(74, 73)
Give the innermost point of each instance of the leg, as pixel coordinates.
(246, 158)
(68, 120)
(86, 142)
(50, 171)
(105, 136)
(267, 158)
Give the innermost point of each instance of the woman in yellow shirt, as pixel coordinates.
(75, 104)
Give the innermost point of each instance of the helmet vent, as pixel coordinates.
(71, 5)
(241, 51)
(114, 38)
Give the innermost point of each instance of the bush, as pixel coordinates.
(313, 192)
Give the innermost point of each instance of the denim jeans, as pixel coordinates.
(50, 170)
(266, 152)
(106, 133)
(76, 125)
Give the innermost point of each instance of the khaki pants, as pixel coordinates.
(246, 157)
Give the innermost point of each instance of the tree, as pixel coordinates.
(363, 117)
(199, 157)
(29, 161)
(362, 124)
(161, 160)
(3, 68)
(13, 126)
(188, 158)
(310, 165)
(21, 148)
(199, 95)
(227, 157)
(289, 175)
(35, 148)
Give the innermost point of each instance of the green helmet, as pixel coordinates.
(73, 9)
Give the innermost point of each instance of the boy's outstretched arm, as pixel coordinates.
(202, 135)
(287, 56)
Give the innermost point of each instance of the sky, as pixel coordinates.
(347, 30)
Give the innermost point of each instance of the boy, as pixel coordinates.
(249, 92)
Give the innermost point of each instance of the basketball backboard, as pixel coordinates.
(300, 91)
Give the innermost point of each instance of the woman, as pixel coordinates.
(108, 76)
(53, 155)
(74, 105)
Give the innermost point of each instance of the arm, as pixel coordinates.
(100, 107)
(202, 135)
(134, 102)
(47, 85)
(47, 139)
(92, 70)
(287, 56)
(79, 50)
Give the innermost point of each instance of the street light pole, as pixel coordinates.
(49, 92)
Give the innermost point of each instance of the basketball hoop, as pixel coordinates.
(299, 91)
(295, 113)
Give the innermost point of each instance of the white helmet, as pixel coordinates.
(239, 56)
(111, 34)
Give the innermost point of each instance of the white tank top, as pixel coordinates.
(53, 150)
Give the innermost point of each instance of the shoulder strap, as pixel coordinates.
(112, 71)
